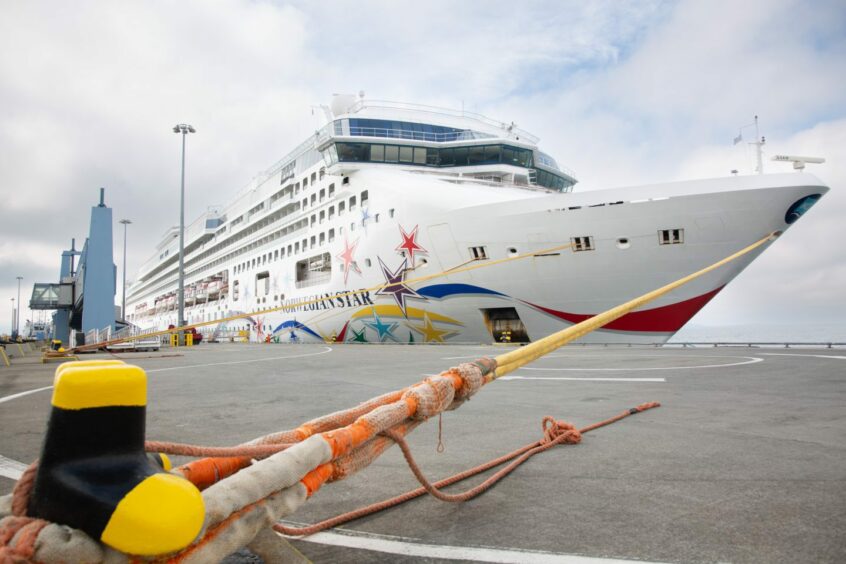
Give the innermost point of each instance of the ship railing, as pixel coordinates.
(462, 135)
(511, 129)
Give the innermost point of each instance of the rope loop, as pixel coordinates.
(555, 431)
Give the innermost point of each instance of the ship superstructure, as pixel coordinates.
(386, 192)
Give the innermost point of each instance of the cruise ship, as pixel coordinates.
(410, 195)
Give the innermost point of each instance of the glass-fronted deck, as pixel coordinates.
(442, 157)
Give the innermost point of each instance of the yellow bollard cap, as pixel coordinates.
(162, 514)
(80, 385)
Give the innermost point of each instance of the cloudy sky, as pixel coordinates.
(621, 92)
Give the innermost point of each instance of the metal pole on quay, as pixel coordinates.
(184, 129)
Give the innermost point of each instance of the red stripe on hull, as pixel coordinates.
(664, 319)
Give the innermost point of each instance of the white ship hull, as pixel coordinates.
(448, 221)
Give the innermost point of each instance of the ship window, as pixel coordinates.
(364, 197)
(305, 244)
(461, 154)
(305, 203)
(581, 244)
(623, 243)
(419, 155)
(331, 212)
(331, 235)
(476, 155)
(322, 216)
(346, 180)
(322, 172)
(322, 238)
(342, 207)
(478, 253)
(353, 152)
(313, 240)
(313, 219)
(235, 291)
(322, 194)
(376, 218)
(391, 212)
(313, 177)
(331, 190)
(391, 154)
(297, 247)
(305, 182)
(377, 153)
(512, 251)
(367, 262)
(352, 203)
(406, 154)
(671, 236)
(297, 188)
(313, 199)
(314, 270)
(289, 250)
(282, 252)
(447, 157)
(352, 226)
(276, 254)
(262, 283)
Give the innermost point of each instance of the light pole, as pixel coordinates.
(184, 129)
(125, 222)
(14, 316)
(18, 316)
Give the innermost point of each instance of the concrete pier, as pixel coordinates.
(744, 462)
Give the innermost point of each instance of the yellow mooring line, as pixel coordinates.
(451, 271)
(513, 360)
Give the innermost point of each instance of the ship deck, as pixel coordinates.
(744, 462)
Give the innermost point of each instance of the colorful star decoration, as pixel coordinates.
(383, 330)
(429, 332)
(358, 336)
(348, 258)
(396, 286)
(365, 215)
(409, 244)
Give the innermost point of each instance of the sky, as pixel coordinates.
(623, 93)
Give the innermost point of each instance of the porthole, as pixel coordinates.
(512, 251)
(623, 243)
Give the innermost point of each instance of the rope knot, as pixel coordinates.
(558, 432)
(17, 538)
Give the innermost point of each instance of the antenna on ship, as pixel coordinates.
(759, 144)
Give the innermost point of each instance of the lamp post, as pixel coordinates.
(184, 129)
(125, 222)
(18, 315)
(14, 316)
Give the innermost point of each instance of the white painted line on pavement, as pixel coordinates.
(410, 547)
(11, 468)
(583, 379)
(326, 350)
(800, 354)
(22, 394)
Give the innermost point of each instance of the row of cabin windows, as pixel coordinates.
(586, 243)
(294, 248)
(665, 237)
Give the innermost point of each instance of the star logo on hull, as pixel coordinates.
(348, 258)
(396, 286)
(409, 245)
(430, 333)
(383, 330)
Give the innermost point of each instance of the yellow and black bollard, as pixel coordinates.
(93, 472)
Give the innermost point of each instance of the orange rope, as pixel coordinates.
(555, 432)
